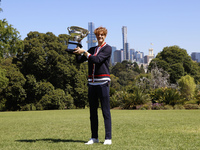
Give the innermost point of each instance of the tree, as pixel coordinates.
(142, 69)
(10, 41)
(117, 69)
(176, 62)
(3, 84)
(176, 71)
(158, 78)
(57, 99)
(80, 86)
(45, 64)
(14, 94)
(187, 86)
(114, 82)
(136, 67)
(3, 79)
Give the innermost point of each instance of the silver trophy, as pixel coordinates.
(76, 35)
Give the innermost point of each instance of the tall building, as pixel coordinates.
(91, 38)
(112, 56)
(132, 53)
(127, 51)
(124, 40)
(195, 56)
(146, 59)
(118, 56)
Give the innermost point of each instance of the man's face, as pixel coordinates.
(101, 37)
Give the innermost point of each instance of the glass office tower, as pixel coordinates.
(91, 38)
(124, 39)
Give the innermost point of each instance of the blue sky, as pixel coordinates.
(161, 22)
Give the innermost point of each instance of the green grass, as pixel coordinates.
(70, 129)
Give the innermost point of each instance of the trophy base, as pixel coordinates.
(72, 45)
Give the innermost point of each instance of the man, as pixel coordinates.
(98, 58)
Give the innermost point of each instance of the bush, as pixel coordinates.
(146, 106)
(157, 106)
(28, 107)
(168, 96)
(130, 99)
(39, 106)
(197, 97)
(2, 104)
(191, 102)
(168, 107)
(191, 106)
(187, 86)
(57, 99)
(114, 100)
(178, 106)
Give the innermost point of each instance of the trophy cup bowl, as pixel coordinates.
(76, 35)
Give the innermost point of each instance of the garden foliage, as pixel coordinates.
(38, 74)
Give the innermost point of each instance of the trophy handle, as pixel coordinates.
(69, 29)
(80, 45)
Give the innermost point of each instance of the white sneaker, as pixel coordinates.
(92, 141)
(107, 142)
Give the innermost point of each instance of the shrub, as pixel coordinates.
(39, 106)
(57, 99)
(198, 97)
(191, 106)
(191, 102)
(168, 96)
(114, 101)
(168, 107)
(178, 106)
(146, 106)
(117, 99)
(2, 104)
(187, 86)
(157, 106)
(28, 107)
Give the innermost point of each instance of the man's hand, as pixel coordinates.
(78, 50)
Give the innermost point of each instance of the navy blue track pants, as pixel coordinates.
(96, 92)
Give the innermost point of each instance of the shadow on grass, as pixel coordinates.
(51, 140)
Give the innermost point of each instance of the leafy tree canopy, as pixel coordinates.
(10, 42)
(176, 62)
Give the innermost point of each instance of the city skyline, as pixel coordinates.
(163, 23)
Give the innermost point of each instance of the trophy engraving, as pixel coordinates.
(76, 35)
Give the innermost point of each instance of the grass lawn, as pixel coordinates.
(70, 129)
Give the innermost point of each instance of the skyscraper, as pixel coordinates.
(132, 53)
(118, 56)
(124, 39)
(127, 51)
(91, 38)
(195, 56)
(112, 56)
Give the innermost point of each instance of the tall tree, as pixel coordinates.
(3, 78)
(45, 61)
(176, 62)
(10, 41)
(14, 93)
